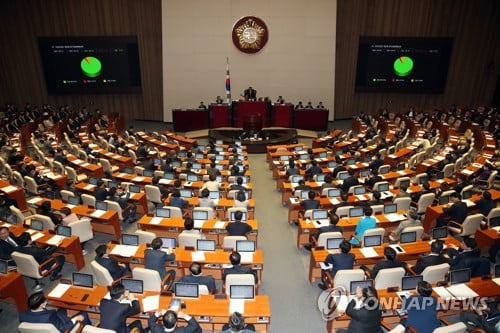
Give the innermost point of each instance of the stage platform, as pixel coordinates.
(204, 133)
(256, 142)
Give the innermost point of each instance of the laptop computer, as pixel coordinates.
(200, 215)
(333, 243)
(101, 205)
(169, 176)
(112, 184)
(439, 233)
(168, 242)
(333, 192)
(359, 190)
(350, 161)
(496, 270)
(404, 183)
(36, 225)
(410, 282)
(130, 239)
(356, 212)
(384, 170)
(4, 266)
(133, 286)
(243, 216)
(186, 193)
(362, 284)
(192, 178)
(369, 241)
(241, 291)
(342, 175)
(83, 280)
(296, 179)
(147, 173)
(408, 237)
(186, 290)
(320, 177)
(423, 180)
(460, 276)
(245, 246)
(163, 212)
(364, 173)
(205, 245)
(64, 231)
(390, 208)
(466, 195)
(93, 180)
(319, 214)
(304, 195)
(444, 199)
(75, 201)
(134, 189)
(401, 166)
(214, 195)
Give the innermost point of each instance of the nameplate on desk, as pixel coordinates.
(164, 181)
(219, 225)
(198, 256)
(442, 292)
(138, 179)
(124, 250)
(236, 305)
(395, 217)
(497, 280)
(294, 201)
(35, 200)
(59, 290)
(55, 240)
(89, 187)
(462, 291)
(467, 172)
(156, 220)
(368, 252)
(98, 213)
(36, 235)
(401, 172)
(122, 175)
(9, 188)
(246, 257)
(151, 303)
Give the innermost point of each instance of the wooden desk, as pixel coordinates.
(311, 119)
(15, 193)
(486, 238)
(326, 140)
(183, 141)
(12, 288)
(91, 170)
(116, 159)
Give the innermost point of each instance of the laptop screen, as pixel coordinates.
(339, 152)
(444, 199)
(342, 175)
(176, 164)
(199, 156)
(186, 193)
(423, 180)
(350, 161)
(334, 192)
(243, 217)
(134, 286)
(162, 212)
(134, 188)
(362, 284)
(296, 179)
(147, 173)
(408, 237)
(322, 155)
(192, 178)
(494, 222)
(128, 170)
(383, 187)
(460, 276)
(112, 184)
(497, 270)
(438, 233)
(169, 176)
(64, 231)
(129, 239)
(101, 205)
(390, 208)
(364, 173)
(304, 195)
(4, 266)
(320, 177)
(157, 161)
(245, 246)
(319, 214)
(333, 243)
(411, 282)
(168, 242)
(214, 195)
(401, 166)
(356, 212)
(219, 167)
(93, 180)
(241, 292)
(197, 166)
(219, 149)
(359, 190)
(404, 183)
(466, 194)
(83, 280)
(375, 240)
(36, 225)
(384, 170)
(219, 158)
(188, 290)
(284, 158)
(205, 245)
(332, 164)
(200, 215)
(73, 200)
(440, 175)
(303, 156)
(182, 154)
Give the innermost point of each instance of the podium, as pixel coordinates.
(219, 115)
(189, 120)
(311, 119)
(243, 110)
(282, 115)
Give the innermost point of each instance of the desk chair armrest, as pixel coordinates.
(77, 328)
(392, 237)
(52, 260)
(356, 237)
(410, 270)
(120, 279)
(389, 328)
(314, 241)
(328, 279)
(478, 330)
(414, 203)
(167, 281)
(454, 224)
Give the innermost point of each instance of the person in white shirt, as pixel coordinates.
(189, 228)
(212, 184)
(240, 200)
(204, 200)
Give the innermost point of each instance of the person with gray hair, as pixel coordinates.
(412, 221)
(236, 324)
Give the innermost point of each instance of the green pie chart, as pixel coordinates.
(91, 66)
(403, 66)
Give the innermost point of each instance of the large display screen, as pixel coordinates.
(90, 65)
(403, 64)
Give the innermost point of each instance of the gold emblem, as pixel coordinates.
(250, 34)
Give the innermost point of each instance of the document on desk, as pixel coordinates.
(442, 292)
(98, 213)
(402, 172)
(294, 201)
(122, 175)
(36, 235)
(325, 267)
(89, 187)
(35, 200)
(55, 240)
(468, 203)
(198, 224)
(393, 217)
(84, 165)
(70, 206)
(467, 172)
(334, 201)
(156, 220)
(78, 162)
(219, 225)
(124, 250)
(368, 252)
(246, 257)
(59, 290)
(236, 305)
(198, 256)
(151, 303)
(138, 179)
(165, 181)
(497, 280)
(9, 188)
(461, 290)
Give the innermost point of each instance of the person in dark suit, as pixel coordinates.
(426, 188)
(302, 186)
(349, 182)
(422, 309)
(155, 258)
(332, 227)
(238, 228)
(100, 192)
(238, 186)
(314, 169)
(340, 167)
(374, 201)
(38, 313)
(170, 323)
(390, 262)
(114, 311)
(235, 259)
(344, 196)
(218, 100)
(364, 312)
(468, 249)
(116, 269)
(41, 255)
(434, 258)
(376, 162)
(197, 277)
(372, 179)
(237, 324)
(485, 204)
(328, 182)
(456, 213)
(45, 210)
(8, 244)
(250, 94)
(339, 261)
(310, 203)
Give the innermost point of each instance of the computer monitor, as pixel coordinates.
(296, 179)
(410, 282)
(199, 156)
(12, 219)
(322, 155)
(364, 173)
(64, 231)
(383, 187)
(73, 200)
(162, 212)
(298, 148)
(362, 284)
(134, 189)
(303, 157)
(219, 167)
(439, 233)
(192, 178)
(205, 245)
(219, 149)
(494, 222)
(466, 194)
(350, 161)
(320, 177)
(444, 199)
(238, 143)
(200, 215)
(4, 266)
(332, 164)
(408, 237)
(334, 192)
(440, 175)
(112, 184)
(93, 180)
(182, 154)
(186, 193)
(147, 173)
(356, 212)
(133, 286)
(167, 242)
(83, 280)
(101, 205)
(319, 214)
(157, 161)
(36, 225)
(401, 166)
(245, 246)
(359, 190)
(333, 243)
(497, 270)
(304, 195)
(128, 170)
(390, 208)
(339, 152)
(169, 176)
(460, 276)
(343, 175)
(197, 166)
(130, 239)
(284, 157)
(186, 290)
(243, 216)
(404, 183)
(214, 195)
(241, 291)
(176, 164)
(384, 170)
(369, 241)
(423, 180)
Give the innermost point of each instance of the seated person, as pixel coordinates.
(456, 213)
(302, 186)
(332, 227)
(310, 203)
(189, 228)
(238, 186)
(364, 312)
(468, 249)
(376, 162)
(41, 255)
(328, 182)
(68, 216)
(422, 309)
(235, 169)
(482, 178)
(114, 311)
(204, 199)
(292, 170)
(391, 261)
(412, 221)
(366, 223)
(237, 324)
(100, 192)
(434, 258)
(128, 209)
(169, 323)
(155, 258)
(485, 204)
(314, 169)
(235, 259)
(163, 190)
(350, 181)
(238, 228)
(426, 188)
(403, 192)
(8, 244)
(339, 261)
(374, 201)
(38, 313)
(45, 210)
(241, 200)
(211, 184)
(177, 201)
(344, 197)
(373, 179)
(212, 170)
(197, 277)
(116, 269)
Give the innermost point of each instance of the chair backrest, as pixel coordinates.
(83, 229)
(436, 273)
(47, 221)
(113, 205)
(373, 232)
(26, 327)
(344, 277)
(17, 212)
(26, 265)
(471, 224)
(93, 329)
(343, 211)
(495, 212)
(58, 166)
(378, 184)
(153, 193)
(455, 328)
(325, 235)
(188, 239)
(174, 211)
(71, 174)
(229, 242)
(403, 203)
(239, 280)
(88, 200)
(351, 189)
(106, 166)
(491, 178)
(465, 189)
(203, 290)
(424, 201)
(18, 178)
(448, 170)
(145, 237)
(389, 277)
(235, 209)
(377, 208)
(65, 194)
(151, 278)
(31, 185)
(209, 211)
(101, 274)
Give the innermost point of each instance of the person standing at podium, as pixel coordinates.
(202, 106)
(218, 100)
(250, 94)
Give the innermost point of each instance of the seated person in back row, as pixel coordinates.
(456, 213)
(238, 186)
(241, 200)
(197, 277)
(116, 269)
(366, 223)
(235, 259)
(177, 201)
(204, 199)
(391, 261)
(189, 228)
(339, 261)
(412, 221)
(238, 228)
(155, 258)
(434, 258)
(311, 202)
(169, 323)
(332, 227)
(237, 324)
(211, 184)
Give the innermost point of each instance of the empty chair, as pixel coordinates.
(495, 212)
(455, 328)
(352, 188)
(17, 178)
(58, 167)
(465, 189)
(468, 227)
(323, 237)
(83, 229)
(383, 169)
(424, 201)
(26, 327)
(436, 273)
(419, 231)
(377, 209)
(20, 217)
(403, 204)
(145, 237)
(139, 170)
(107, 167)
(238, 280)
(28, 266)
(389, 277)
(344, 277)
(31, 185)
(490, 181)
(47, 221)
(151, 278)
(376, 186)
(153, 194)
(188, 239)
(373, 232)
(174, 211)
(76, 178)
(101, 274)
(88, 200)
(343, 211)
(113, 205)
(65, 194)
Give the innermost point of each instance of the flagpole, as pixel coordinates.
(228, 82)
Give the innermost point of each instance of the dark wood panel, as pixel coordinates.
(21, 76)
(475, 61)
